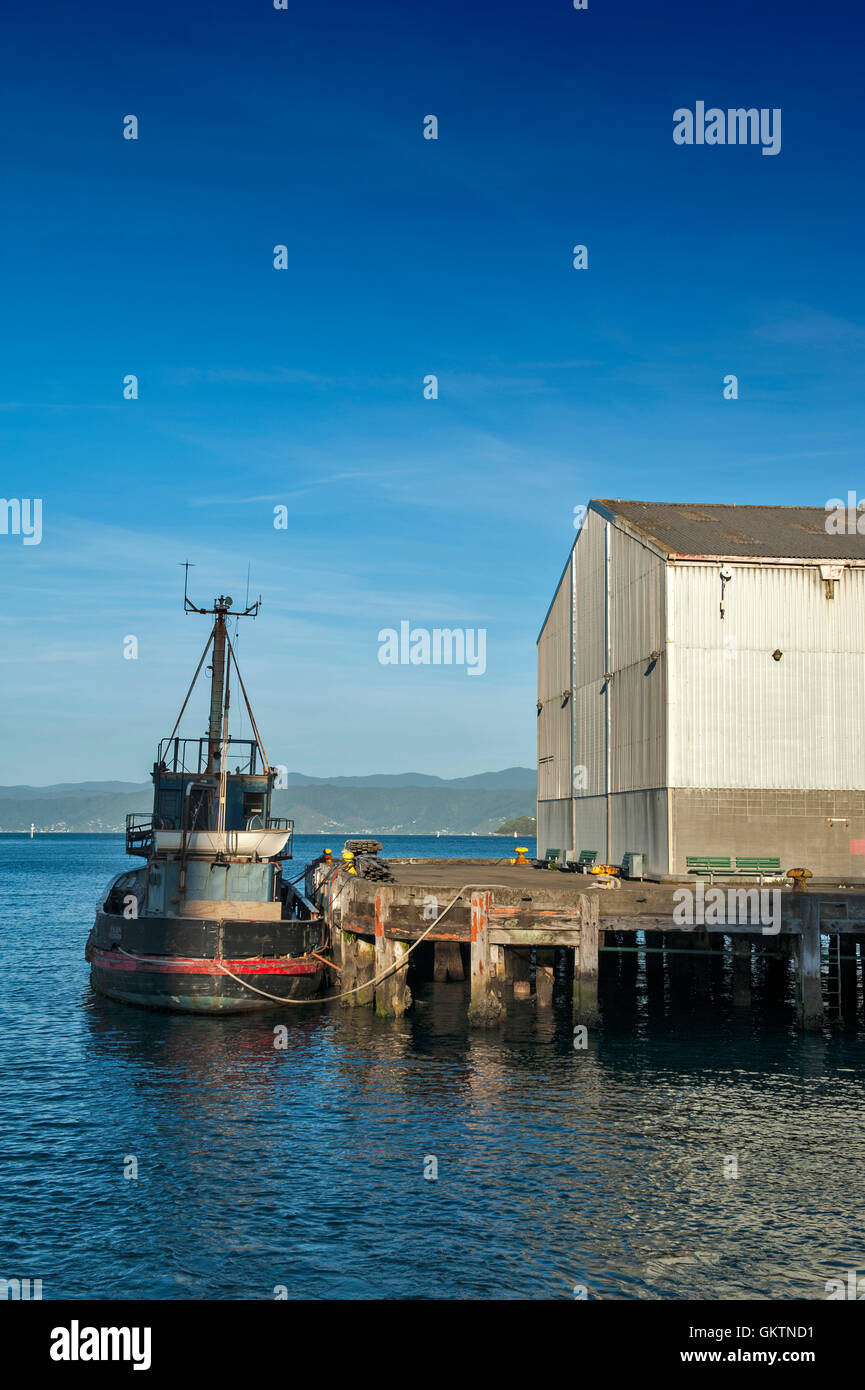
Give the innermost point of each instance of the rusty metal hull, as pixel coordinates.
(197, 985)
(210, 966)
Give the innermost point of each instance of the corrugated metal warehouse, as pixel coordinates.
(701, 688)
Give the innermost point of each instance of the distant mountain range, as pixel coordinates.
(407, 803)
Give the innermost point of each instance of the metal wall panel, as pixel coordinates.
(589, 656)
(554, 678)
(639, 685)
(637, 693)
(738, 718)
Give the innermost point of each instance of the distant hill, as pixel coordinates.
(386, 803)
(401, 810)
(520, 825)
(74, 789)
(510, 777)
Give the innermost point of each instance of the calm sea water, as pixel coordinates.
(305, 1167)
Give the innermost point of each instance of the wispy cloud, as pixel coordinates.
(246, 376)
(806, 327)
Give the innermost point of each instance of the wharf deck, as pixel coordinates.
(547, 903)
(497, 909)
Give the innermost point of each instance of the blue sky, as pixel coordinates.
(407, 257)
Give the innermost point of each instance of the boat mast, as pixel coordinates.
(217, 684)
(217, 728)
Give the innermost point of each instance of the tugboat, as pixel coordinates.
(209, 923)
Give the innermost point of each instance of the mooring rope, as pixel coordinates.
(367, 984)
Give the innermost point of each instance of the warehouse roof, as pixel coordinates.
(721, 530)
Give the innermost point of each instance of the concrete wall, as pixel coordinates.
(791, 824)
(638, 822)
(554, 826)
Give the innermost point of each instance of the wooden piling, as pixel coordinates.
(544, 977)
(702, 964)
(848, 992)
(518, 971)
(654, 969)
(810, 987)
(629, 964)
(448, 961)
(586, 961)
(392, 994)
(485, 1008)
(741, 971)
(497, 969)
(358, 966)
(348, 978)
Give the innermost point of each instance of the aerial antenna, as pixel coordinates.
(222, 604)
(237, 627)
(186, 567)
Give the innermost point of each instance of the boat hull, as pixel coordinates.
(210, 966)
(188, 985)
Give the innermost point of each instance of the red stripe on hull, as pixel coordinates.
(181, 965)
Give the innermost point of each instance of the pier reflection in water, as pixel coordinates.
(303, 1167)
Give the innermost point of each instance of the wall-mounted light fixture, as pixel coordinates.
(725, 578)
(776, 655)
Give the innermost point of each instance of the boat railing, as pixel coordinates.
(282, 823)
(139, 834)
(190, 755)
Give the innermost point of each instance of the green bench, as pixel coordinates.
(574, 863)
(754, 865)
(760, 865)
(554, 859)
(549, 861)
(710, 864)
